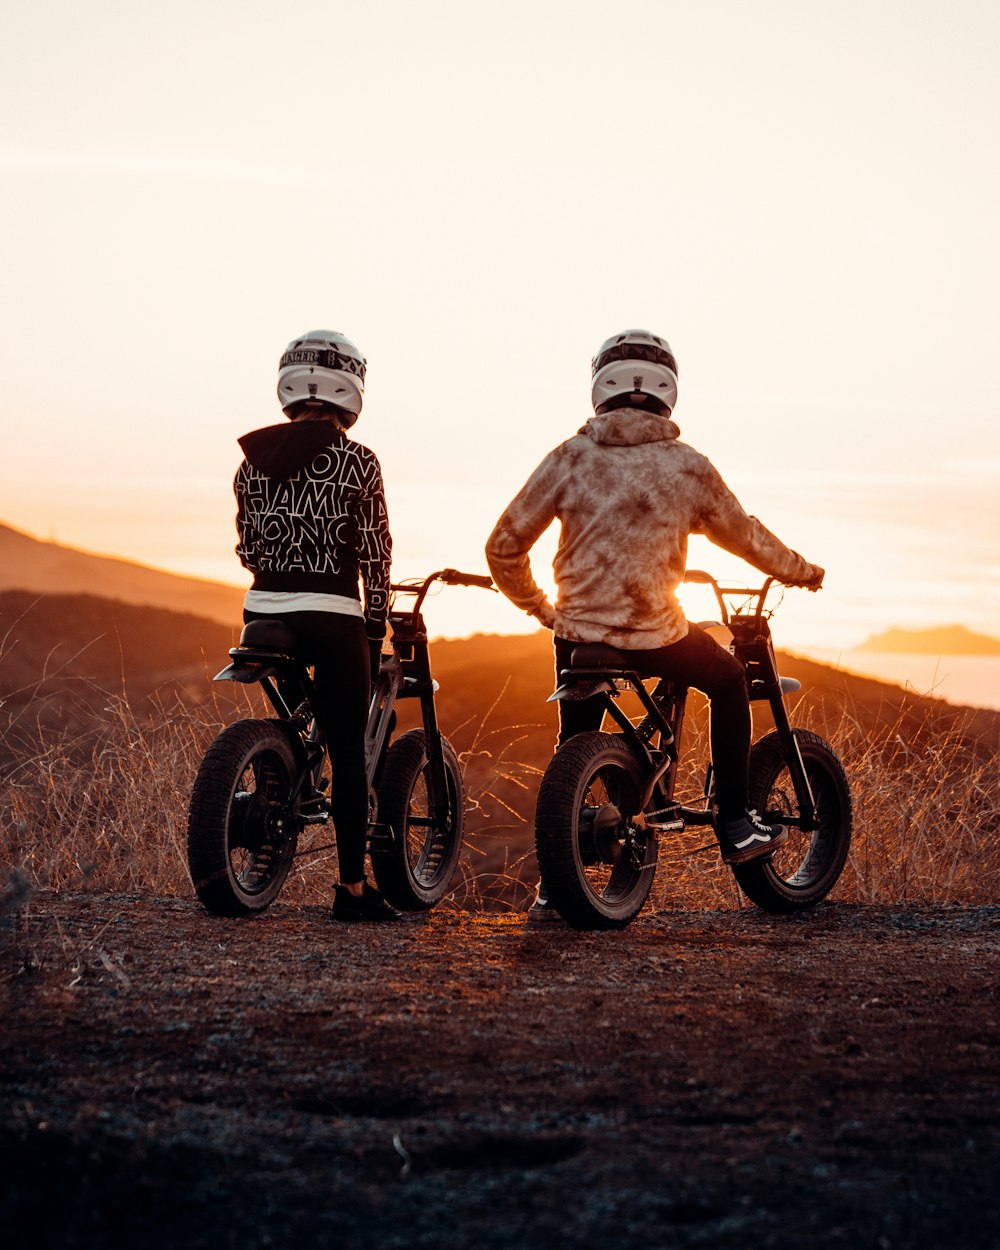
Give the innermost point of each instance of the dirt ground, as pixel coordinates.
(711, 1079)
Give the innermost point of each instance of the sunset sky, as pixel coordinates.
(802, 197)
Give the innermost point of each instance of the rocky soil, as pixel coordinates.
(710, 1079)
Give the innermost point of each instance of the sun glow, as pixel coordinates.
(165, 234)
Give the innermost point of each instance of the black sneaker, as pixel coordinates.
(370, 907)
(542, 910)
(748, 838)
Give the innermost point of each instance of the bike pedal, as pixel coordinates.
(315, 808)
(381, 836)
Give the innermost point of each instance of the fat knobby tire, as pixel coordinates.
(806, 869)
(240, 844)
(562, 799)
(414, 866)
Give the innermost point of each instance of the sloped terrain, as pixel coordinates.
(65, 657)
(28, 563)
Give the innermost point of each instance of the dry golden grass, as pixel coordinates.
(926, 815)
(109, 813)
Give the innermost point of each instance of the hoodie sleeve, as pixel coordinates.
(245, 528)
(724, 521)
(374, 550)
(526, 518)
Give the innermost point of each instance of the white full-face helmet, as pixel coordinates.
(634, 363)
(323, 364)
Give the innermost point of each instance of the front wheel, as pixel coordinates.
(597, 861)
(414, 864)
(241, 830)
(805, 869)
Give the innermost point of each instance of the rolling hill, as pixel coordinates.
(71, 650)
(75, 627)
(65, 659)
(940, 640)
(27, 563)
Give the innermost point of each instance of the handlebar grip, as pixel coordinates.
(452, 577)
(698, 578)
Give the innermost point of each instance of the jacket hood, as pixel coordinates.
(629, 428)
(280, 451)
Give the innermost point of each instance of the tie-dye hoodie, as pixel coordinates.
(627, 493)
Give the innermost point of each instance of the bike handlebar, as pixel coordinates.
(452, 577)
(699, 577)
(449, 577)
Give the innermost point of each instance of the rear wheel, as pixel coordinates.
(241, 831)
(806, 867)
(415, 862)
(596, 860)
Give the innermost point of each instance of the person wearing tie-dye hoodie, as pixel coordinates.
(628, 493)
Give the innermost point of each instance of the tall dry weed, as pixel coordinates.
(926, 813)
(109, 811)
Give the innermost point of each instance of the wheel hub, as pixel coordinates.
(254, 820)
(601, 834)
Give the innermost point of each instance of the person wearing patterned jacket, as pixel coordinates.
(628, 493)
(312, 523)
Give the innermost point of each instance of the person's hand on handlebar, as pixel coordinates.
(814, 580)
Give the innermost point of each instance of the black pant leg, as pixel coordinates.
(696, 660)
(337, 647)
(575, 717)
(343, 686)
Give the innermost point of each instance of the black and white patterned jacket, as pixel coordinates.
(311, 515)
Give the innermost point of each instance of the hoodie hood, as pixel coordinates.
(629, 428)
(280, 451)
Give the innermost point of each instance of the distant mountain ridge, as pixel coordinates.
(28, 563)
(65, 660)
(939, 640)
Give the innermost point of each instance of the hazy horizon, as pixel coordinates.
(959, 675)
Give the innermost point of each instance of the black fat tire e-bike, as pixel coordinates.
(261, 782)
(606, 798)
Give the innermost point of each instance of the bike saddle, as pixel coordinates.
(269, 636)
(598, 655)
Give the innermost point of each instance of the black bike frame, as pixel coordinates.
(288, 685)
(405, 673)
(656, 738)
